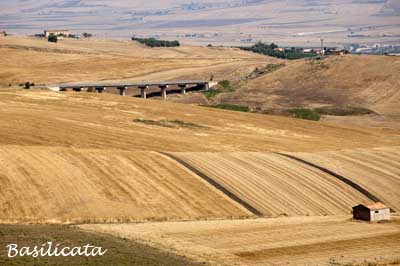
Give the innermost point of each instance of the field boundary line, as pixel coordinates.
(337, 176)
(214, 183)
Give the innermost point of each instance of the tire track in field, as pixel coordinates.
(215, 184)
(339, 177)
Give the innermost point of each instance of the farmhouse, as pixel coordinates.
(336, 52)
(3, 33)
(65, 33)
(373, 212)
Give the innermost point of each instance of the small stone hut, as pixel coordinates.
(374, 212)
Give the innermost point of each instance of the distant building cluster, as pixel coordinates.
(374, 49)
(58, 33)
(3, 33)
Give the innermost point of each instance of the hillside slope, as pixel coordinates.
(105, 121)
(277, 185)
(377, 170)
(359, 81)
(75, 157)
(38, 61)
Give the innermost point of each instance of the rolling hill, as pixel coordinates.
(85, 157)
(36, 60)
(338, 81)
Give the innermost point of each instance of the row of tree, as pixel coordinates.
(152, 42)
(274, 51)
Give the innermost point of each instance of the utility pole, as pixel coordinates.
(322, 48)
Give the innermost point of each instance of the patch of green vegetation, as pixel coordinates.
(265, 70)
(52, 38)
(121, 251)
(315, 114)
(151, 42)
(226, 84)
(272, 50)
(231, 107)
(272, 67)
(167, 123)
(211, 93)
(343, 111)
(304, 113)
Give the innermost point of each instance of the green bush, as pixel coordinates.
(167, 123)
(52, 38)
(225, 84)
(304, 113)
(343, 111)
(231, 107)
(211, 93)
(151, 42)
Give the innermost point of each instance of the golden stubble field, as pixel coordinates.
(69, 157)
(81, 158)
(333, 240)
(36, 60)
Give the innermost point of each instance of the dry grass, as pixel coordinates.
(376, 170)
(363, 81)
(35, 60)
(85, 120)
(298, 241)
(96, 159)
(69, 185)
(276, 185)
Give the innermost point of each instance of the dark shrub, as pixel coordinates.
(151, 42)
(304, 113)
(52, 38)
(231, 107)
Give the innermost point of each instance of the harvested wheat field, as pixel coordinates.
(87, 157)
(377, 170)
(61, 185)
(275, 185)
(85, 120)
(41, 62)
(334, 240)
(69, 157)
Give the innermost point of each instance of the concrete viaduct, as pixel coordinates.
(123, 87)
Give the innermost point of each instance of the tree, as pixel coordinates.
(87, 35)
(273, 46)
(52, 38)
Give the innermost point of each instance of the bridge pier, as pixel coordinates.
(122, 90)
(183, 88)
(100, 90)
(143, 91)
(163, 91)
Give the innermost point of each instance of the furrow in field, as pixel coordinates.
(376, 170)
(276, 185)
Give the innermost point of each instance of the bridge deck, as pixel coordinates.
(127, 84)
